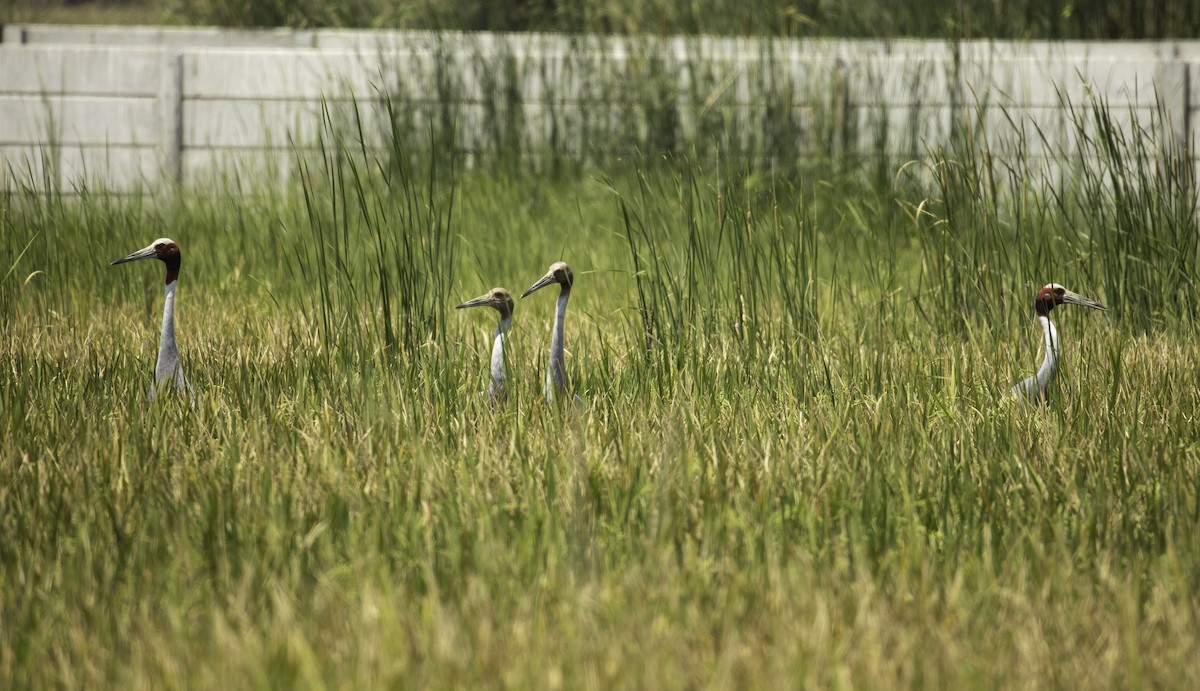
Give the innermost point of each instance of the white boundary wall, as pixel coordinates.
(132, 108)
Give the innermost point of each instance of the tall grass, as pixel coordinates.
(1143, 193)
(727, 261)
(1108, 200)
(407, 225)
(565, 104)
(790, 468)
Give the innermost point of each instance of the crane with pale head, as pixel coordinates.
(556, 371)
(500, 300)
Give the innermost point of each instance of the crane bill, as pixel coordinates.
(542, 283)
(147, 253)
(1077, 299)
(481, 301)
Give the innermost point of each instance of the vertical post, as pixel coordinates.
(1190, 94)
(841, 107)
(170, 118)
(1171, 91)
(12, 33)
(1189, 73)
(1173, 103)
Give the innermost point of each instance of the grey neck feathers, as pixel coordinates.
(168, 367)
(556, 372)
(496, 388)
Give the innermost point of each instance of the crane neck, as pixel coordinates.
(504, 325)
(496, 388)
(1049, 366)
(173, 261)
(556, 372)
(168, 323)
(168, 353)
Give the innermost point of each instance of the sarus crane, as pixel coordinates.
(500, 300)
(1033, 389)
(169, 370)
(556, 370)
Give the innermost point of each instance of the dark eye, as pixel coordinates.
(1059, 291)
(160, 246)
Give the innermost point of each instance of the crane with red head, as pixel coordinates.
(1033, 389)
(168, 371)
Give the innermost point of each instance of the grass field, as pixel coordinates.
(792, 467)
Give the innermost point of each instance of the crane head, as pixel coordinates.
(1053, 295)
(163, 249)
(497, 298)
(559, 273)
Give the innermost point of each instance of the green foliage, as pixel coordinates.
(1023, 19)
(950, 19)
(298, 14)
(790, 468)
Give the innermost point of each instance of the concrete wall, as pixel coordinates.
(131, 108)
